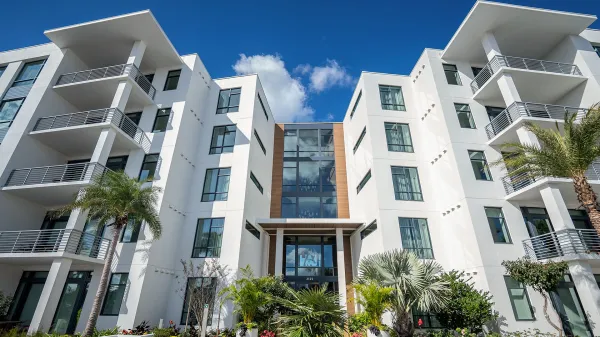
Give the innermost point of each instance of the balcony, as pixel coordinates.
(52, 185)
(59, 131)
(571, 244)
(503, 127)
(97, 87)
(52, 243)
(537, 80)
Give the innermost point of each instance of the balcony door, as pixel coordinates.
(566, 302)
(27, 296)
(71, 301)
(91, 240)
(544, 242)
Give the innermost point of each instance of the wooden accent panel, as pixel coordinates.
(277, 175)
(348, 269)
(341, 179)
(272, 250)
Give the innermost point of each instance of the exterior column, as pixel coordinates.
(89, 298)
(556, 208)
(527, 137)
(53, 288)
(589, 293)
(279, 255)
(265, 253)
(341, 267)
(508, 89)
(490, 45)
(136, 54)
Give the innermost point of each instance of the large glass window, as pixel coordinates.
(360, 138)
(162, 120)
(452, 75)
(114, 294)
(398, 137)
(519, 300)
(209, 234)
(149, 165)
(406, 183)
(497, 224)
(391, 98)
(428, 320)
(310, 256)
(223, 139)
(216, 184)
(172, 80)
(288, 207)
(229, 100)
(310, 176)
(415, 237)
(308, 143)
(308, 207)
(480, 165)
(355, 104)
(198, 289)
(465, 117)
(29, 73)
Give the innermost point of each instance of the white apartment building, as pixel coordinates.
(406, 169)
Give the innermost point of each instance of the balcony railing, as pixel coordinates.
(523, 109)
(112, 115)
(54, 241)
(562, 243)
(55, 174)
(522, 180)
(500, 61)
(123, 69)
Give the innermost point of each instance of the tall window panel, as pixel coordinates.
(162, 120)
(216, 184)
(465, 117)
(209, 235)
(497, 224)
(202, 289)
(172, 80)
(452, 75)
(406, 183)
(519, 300)
(223, 139)
(415, 237)
(480, 165)
(29, 73)
(229, 100)
(391, 98)
(149, 165)
(398, 137)
(114, 294)
(131, 231)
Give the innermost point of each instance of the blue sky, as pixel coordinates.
(309, 53)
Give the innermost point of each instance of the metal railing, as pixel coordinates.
(55, 174)
(500, 61)
(525, 109)
(53, 241)
(122, 69)
(112, 115)
(562, 243)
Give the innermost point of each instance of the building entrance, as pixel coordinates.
(310, 261)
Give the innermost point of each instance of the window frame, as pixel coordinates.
(184, 308)
(170, 75)
(363, 181)
(485, 165)
(400, 107)
(256, 183)
(135, 231)
(5, 101)
(368, 230)
(137, 116)
(16, 82)
(468, 112)
(412, 192)
(149, 162)
(227, 108)
(296, 203)
(355, 104)
(476, 70)
(222, 147)
(161, 114)
(455, 72)
(209, 193)
(260, 143)
(415, 225)
(119, 285)
(253, 230)
(196, 247)
(360, 139)
(512, 304)
(262, 106)
(504, 225)
(410, 147)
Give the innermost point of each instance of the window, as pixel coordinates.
(223, 139)
(398, 137)
(476, 71)
(200, 289)
(308, 207)
(2, 69)
(519, 300)
(149, 167)
(452, 75)
(308, 143)
(229, 100)
(415, 237)
(309, 176)
(360, 138)
(263, 107)
(288, 207)
(428, 320)
(135, 117)
(149, 77)
(262, 146)
(172, 80)
(391, 98)
(355, 104)
(256, 183)
(209, 235)
(29, 73)
(480, 165)
(252, 230)
(493, 111)
(216, 184)
(162, 120)
(114, 294)
(131, 231)
(368, 230)
(406, 183)
(497, 224)
(597, 50)
(465, 118)
(363, 182)
(116, 163)
(8, 111)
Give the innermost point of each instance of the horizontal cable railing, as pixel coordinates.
(499, 61)
(55, 174)
(54, 241)
(112, 115)
(122, 69)
(562, 243)
(525, 109)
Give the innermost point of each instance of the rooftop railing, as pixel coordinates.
(55, 174)
(122, 69)
(112, 115)
(562, 243)
(524, 109)
(500, 61)
(54, 241)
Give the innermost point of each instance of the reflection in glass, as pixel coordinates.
(309, 207)
(308, 175)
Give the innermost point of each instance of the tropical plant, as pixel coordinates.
(311, 313)
(272, 287)
(4, 304)
(415, 283)
(467, 307)
(114, 199)
(564, 155)
(245, 295)
(543, 277)
(375, 300)
(358, 322)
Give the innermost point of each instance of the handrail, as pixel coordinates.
(562, 243)
(500, 61)
(527, 109)
(117, 70)
(55, 174)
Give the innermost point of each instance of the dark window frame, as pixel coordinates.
(227, 108)
(502, 219)
(476, 71)
(468, 113)
(17, 81)
(392, 106)
(223, 148)
(135, 117)
(368, 230)
(262, 146)
(170, 76)
(512, 304)
(135, 233)
(455, 73)
(262, 106)
(421, 250)
(215, 248)
(253, 230)
(211, 193)
(119, 285)
(355, 104)
(363, 181)
(296, 203)
(411, 193)
(160, 115)
(408, 148)
(360, 139)
(150, 77)
(484, 162)
(149, 162)
(256, 183)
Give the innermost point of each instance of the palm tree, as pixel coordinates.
(114, 199)
(312, 312)
(563, 155)
(246, 295)
(375, 300)
(415, 285)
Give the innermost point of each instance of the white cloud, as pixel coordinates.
(286, 95)
(329, 76)
(303, 69)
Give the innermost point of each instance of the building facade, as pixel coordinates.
(407, 168)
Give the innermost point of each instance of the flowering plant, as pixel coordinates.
(267, 333)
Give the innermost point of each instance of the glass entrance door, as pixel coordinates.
(310, 261)
(566, 301)
(71, 301)
(27, 296)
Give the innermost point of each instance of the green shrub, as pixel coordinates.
(359, 322)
